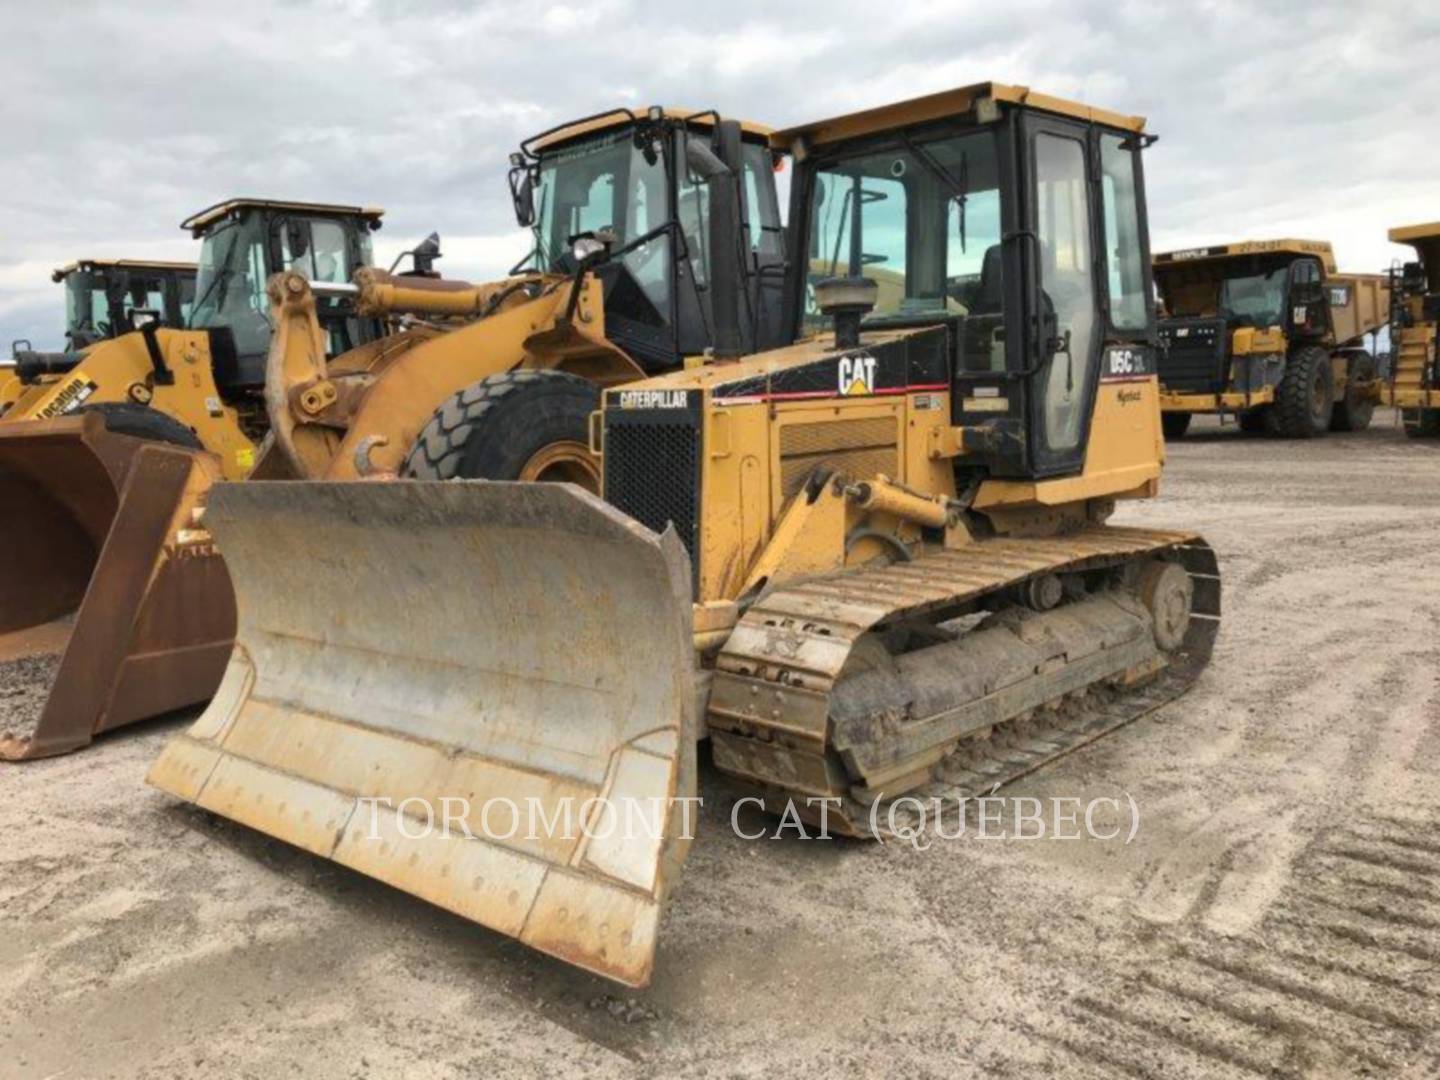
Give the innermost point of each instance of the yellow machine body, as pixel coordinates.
(1414, 384)
(1237, 315)
(869, 564)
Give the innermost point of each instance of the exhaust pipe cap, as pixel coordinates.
(847, 300)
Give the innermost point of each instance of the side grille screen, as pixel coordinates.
(652, 470)
(858, 448)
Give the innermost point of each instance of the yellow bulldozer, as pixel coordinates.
(872, 564)
(105, 298)
(1414, 383)
(657, 236)
(1268, 331)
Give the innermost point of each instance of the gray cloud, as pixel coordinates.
(1311, 119)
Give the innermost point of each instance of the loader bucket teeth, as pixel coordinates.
(111, 609)
(448, 687)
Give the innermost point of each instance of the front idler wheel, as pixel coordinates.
(1168, 594)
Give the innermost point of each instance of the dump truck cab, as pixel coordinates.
(1414, 382)
(1268, 331)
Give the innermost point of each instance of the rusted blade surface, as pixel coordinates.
(501, 654)
(111, 609)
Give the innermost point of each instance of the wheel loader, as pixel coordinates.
(872, 564)
(105, 298)
(112, 608)
(1414, 383)
(657, 236)
(1269, 332)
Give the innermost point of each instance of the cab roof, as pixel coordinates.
(622, 116)
(1321, 249)
(1410, 234)
(199, 221)
(65, 271)
(941, 105)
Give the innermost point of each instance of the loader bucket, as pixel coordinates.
(111, 609)
(480, 693)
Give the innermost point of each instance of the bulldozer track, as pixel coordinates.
(771, 715)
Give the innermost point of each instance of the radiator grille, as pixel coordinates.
(652, 470)
(1193, 354)
(858, 448)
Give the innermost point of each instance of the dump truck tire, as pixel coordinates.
(1255, 421)
(1421, 423)
(522, 425)
(1175, 424)
(143, 422)
(1306, 395)
(1353, 411)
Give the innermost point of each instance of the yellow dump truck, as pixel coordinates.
(1267, 331)
(1414, 383)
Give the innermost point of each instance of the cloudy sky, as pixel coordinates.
(1315, 119)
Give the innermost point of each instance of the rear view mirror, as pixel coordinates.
(522, 194)
(297, 236)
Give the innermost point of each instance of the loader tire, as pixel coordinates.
(522, 425)
(1255, 421)
(1175, 424)
(143, 422)
(1421, 423)
(1352, 411)
(1305, 398)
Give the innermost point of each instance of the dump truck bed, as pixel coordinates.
(1359, 305)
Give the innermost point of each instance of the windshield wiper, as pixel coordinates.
(959, 188)
(220, 275)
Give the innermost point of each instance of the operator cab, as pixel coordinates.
(104, 299)
(244, 241)
(629, 188)
(1016, 220)
(1415, 286)
(1262, 284)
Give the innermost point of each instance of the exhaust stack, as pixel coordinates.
(846, 300)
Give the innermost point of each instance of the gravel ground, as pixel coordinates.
(1277, 912)
(24, 687)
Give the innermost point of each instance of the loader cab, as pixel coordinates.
(636, 186)
(1022, 229)
(104, 299)
(243, 242)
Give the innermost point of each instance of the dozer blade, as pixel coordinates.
(112, 608)
(480, 693)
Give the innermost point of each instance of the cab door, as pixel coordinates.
(1308, 314)
(1063, 289)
